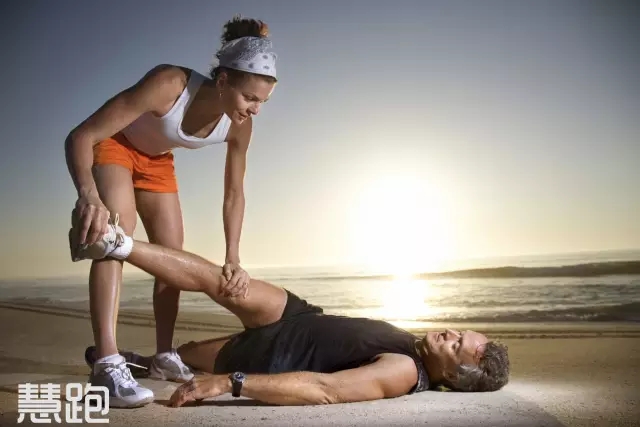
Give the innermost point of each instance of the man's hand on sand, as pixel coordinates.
(237, 280)
(200, 387)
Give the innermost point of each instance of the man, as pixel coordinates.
(291, 353)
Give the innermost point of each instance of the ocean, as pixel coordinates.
(553, 288)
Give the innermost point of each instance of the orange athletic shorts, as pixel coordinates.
(150, 173)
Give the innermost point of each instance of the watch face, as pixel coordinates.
(238, 376)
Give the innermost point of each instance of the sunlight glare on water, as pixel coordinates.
(404, 299)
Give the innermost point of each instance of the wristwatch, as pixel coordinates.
(237, 379)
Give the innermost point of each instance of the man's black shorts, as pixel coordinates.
(262, 349)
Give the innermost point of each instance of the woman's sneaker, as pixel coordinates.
(124, 391)
(169, 367)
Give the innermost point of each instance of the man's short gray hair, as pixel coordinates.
(491, 374)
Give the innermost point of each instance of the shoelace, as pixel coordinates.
(119, 239)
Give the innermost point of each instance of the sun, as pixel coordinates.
(400, 226)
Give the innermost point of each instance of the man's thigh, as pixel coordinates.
(202, 354)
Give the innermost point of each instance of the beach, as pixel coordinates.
(581, 374)
(490, 186)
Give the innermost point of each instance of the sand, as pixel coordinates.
(563, 375)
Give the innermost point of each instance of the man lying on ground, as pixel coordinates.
(290, 352)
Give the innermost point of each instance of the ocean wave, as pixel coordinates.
(594, 269)
(629, 312)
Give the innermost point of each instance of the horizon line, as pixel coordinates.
(141, 274)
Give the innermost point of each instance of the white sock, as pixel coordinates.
(124, 250)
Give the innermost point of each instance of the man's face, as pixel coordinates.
(444, 351)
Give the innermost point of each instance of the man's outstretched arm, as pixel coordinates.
(391, 375)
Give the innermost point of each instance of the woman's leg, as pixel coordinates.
(113, 175)
(116, 192)
(157, 201)
(161, 216)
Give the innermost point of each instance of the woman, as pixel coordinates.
(121, 162)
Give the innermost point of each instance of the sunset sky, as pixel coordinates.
(400, 133)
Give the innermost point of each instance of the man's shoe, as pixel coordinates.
(113, 244)
(170, 367)
(124, 391)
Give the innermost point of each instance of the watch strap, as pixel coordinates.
(236, 385)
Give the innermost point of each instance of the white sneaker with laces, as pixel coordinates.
(124, 390)
(115, 244)
(169, 367)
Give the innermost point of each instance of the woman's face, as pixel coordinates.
(245, 98)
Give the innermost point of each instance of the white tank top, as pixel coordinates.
(157, 135)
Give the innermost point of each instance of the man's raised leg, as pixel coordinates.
(186, 271)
